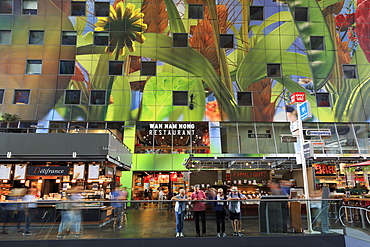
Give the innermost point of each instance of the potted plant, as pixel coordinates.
(9, 118)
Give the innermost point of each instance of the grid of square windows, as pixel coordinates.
(349, 71)
(5, 37)
(102, 9)
(148, 68)
(301, 14)
(180, 98)
(2, 92)
(323, 99)
(226, 41)
(98, 97)
(33, 67)
(244, 98)
(21, 96)
(256, 13)
(36, 37)
(78, 8)
(29, 7)
(101, 38)
(180, 40)
(317, 43)
(273, 70)
(72, 97)
(115, 67)
(67, 67)
(196, 11)
(6, 6)
(69, 37)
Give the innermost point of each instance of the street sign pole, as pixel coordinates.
(304, 170)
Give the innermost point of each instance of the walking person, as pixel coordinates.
(220, 210)
(235, 212)
(118, 195)
(30, 208)
(180, 209)
(199, 210)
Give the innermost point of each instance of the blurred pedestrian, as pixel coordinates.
(198, 196)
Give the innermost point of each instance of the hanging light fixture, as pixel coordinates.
(40, 180)
(57, 180)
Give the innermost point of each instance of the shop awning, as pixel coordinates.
(366, 163)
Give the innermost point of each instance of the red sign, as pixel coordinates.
(325, 169)
(257, 175)
(297, 98)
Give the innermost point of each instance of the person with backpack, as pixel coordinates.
(234, 198)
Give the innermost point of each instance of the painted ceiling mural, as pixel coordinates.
(212, 74)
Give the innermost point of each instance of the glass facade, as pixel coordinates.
(229, 66)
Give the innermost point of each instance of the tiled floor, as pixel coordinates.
(147, 222)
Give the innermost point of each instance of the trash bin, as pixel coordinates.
(273, 215)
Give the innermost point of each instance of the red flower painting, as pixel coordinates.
(363, 27)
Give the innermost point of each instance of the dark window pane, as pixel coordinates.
(29, 7)
(148, 68)
(256, 13)
(317, 43)
(97, 97)
(21, 97)
(274, 70)
(226, 41)
(102, 8)
(67, 67)
(6, 7)
(301, 14)
(180, 40)
(78, 8)
(97, 125)
(72, 97)
(180, 98)
(196, 11)
(101, 38)
(2, 96)
(115, 67)
(69, 38)
(244, 98)
(322, 100)
(36, 38)
(349, 71)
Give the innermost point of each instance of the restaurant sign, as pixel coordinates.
(325, 169)
(48, 170)
(257, 175)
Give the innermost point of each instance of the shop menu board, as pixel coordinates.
(78, 171)
(5, 171)
(20, 172)
(93, 171)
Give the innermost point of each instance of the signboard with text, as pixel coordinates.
(304, 111)
(318, 133)
(297, 97)
(48, 170)
(258, 175)
(322, 169)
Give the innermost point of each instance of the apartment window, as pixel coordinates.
(349, 71)
(180, 40)
(102, 9)
(148, 68)
(196, 11)
(5, 37)
(6, 7)
(317, 43)
(101, 38)
(67, 67)
(36, 37)
(244, 98)
(322, 99)
(301, 14)
(97, 97)
(29, 7)
(115, 67)
(69, 38)
(72, 97)
(21, 97)
(226, 41)
(256, 13)
(33, 67)
(273, 70)
(2, 91)
(78, 8)
(180, 98)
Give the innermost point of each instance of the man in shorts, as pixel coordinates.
(235, 212)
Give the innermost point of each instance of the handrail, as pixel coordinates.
(354, 207)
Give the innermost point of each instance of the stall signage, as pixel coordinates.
(288, 139)
(297, 97)
(257, 175)
(304, 111)
(171, 128)
(325, 169)
(259, 135)
(307, 150)
(318, 132)
(48, 170)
